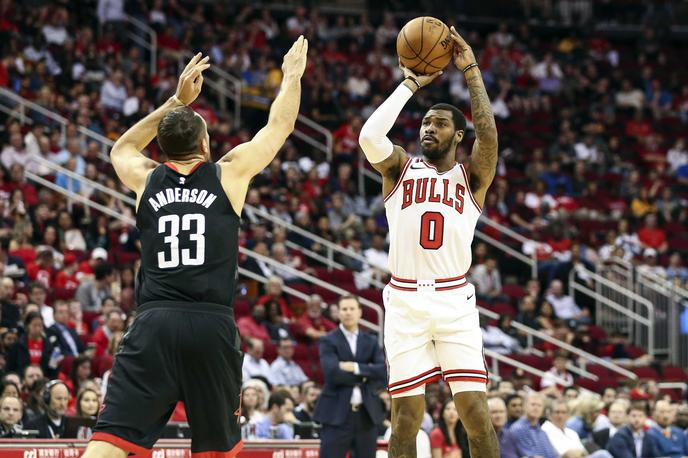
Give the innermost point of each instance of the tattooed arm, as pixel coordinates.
(483, 164)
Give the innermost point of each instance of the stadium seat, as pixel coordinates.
(645, 373)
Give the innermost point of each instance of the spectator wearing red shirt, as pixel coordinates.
(113, 324)
(65, 279)
(254, 325)
(444, 439)
(651, 236)
(98, 256)
(313, 325)
(42, 270)
(273, 290)
(33, 348)
(28, 190)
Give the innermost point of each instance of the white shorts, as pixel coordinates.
(433, 335)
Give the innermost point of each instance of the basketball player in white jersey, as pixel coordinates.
(433, 203)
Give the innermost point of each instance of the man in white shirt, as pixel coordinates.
(565, 440)
(564, 306)
(15, 152)
(254, 365)
(549, 380)
(284, 370)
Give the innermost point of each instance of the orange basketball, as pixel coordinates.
(424, 45)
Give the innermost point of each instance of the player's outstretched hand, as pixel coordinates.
(463, 54)
(191, 79)
(295, 59)
(423, 80)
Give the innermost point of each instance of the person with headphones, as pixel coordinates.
(51, 424)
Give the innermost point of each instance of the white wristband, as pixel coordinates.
(373, 138)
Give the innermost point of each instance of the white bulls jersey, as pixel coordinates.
(432, 217)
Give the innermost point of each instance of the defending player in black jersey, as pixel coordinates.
(184, 344)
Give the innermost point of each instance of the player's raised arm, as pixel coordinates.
(484, 155)
(131, 165)
(248, 159)
(385, 157)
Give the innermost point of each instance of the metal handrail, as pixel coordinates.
(311, 279)
(316, 238)
(519, 365)
(313, 255)
(661, 282)
(326, 147)
(564, 345)
(620, 289)
(83, 180)
(79, 198)
(105, 142)
(303, 296)
(647, 322)
(152, 46)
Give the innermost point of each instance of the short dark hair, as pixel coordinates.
(458, 118)
(101, 271)
(179, 132)
(37, 285)
(349, 296)
(279, 398)
(511, 397)
(30, 317)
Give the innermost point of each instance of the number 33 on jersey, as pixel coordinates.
(432, 217)
(179, 217)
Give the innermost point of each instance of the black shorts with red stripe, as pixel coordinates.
(176, 351)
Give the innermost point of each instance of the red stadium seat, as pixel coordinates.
(645, 373)
(674, 374)
(515, 292)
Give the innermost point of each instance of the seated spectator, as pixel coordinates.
(507, 445)
(628, 240)
(564, 440)
(495, 339)
(51, 424)
(280, 254)
(448, 438)
(253, 326)
(38, 295)
(633, 440)
(250, 406)
(91, 294)
(273, 291)
(86, 269)
(651, 236)
(254, 365)
(11, 411)
(488, 281)
(114, 323)
(66, 278)
(675, 269)
(649, 264)
(43, 270)
(670, 440)
(376, 268)
(617, 414)
(304, 411)
(34, 348)
(514, 408)
(274, 425)
(530, 438)
(278, 327)
(87, 406)
(564, 306)
(9, 312)
(585, 412)
(79, 375)
(76, 321)
(67, 338)
(313, 325)
(549, 382)
(284, 370)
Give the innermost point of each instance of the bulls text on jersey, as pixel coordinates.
(419, 190)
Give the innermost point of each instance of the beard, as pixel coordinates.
(436, 151)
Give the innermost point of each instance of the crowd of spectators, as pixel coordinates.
(575, 112)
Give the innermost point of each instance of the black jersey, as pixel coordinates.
(189, 238)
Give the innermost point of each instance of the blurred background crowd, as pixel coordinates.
(593, 171)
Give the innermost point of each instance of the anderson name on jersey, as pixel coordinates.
(432, 217)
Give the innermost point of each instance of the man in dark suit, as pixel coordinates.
(68, 340)
(354, 370)
(632, 441)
